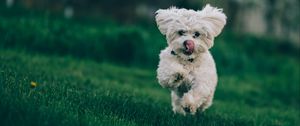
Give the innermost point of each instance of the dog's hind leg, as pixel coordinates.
(176, 103)
(207, 103)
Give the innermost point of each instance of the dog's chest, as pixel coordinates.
(190, 66)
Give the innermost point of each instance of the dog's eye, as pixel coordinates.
(181, 32)
(197, 34)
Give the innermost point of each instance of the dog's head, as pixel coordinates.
(190, 32)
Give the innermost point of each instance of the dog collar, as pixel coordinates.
(173, 53)
(191, 60)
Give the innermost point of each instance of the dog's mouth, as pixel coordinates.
(188, 52)
(189, 47)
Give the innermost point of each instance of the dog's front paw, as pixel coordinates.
(188, 104)
(175, 80)
(178, 77)
(179, 110)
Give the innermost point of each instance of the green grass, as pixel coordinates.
(101, 42)
(74, 91)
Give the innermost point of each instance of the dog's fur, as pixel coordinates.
(192, 78)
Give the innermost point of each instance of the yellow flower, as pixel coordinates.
(33, 84)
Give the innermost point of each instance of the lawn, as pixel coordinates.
(72, 91)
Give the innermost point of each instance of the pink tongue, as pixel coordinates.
(189, 47)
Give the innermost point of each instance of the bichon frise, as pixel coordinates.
(186, 66)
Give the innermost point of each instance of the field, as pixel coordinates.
(82, 79)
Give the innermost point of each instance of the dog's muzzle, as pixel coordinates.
(189, 46)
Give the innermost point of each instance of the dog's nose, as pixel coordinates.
(188, 42)
(189, 46)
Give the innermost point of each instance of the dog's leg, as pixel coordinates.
(176, 103)
(207, 103)
(170, 75)
(188, 103)
(195, 98)
(202, 91)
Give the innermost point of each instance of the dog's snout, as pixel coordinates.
(189, 46)
(188, 42)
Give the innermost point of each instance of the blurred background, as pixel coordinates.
(101, 29)
(257, 56)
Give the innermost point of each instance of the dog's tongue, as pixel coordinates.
(189, 47)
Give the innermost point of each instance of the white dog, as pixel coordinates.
(186, 66)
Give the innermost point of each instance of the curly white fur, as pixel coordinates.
(192, 78)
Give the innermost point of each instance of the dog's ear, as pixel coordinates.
(164, 17)
(214, 20)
